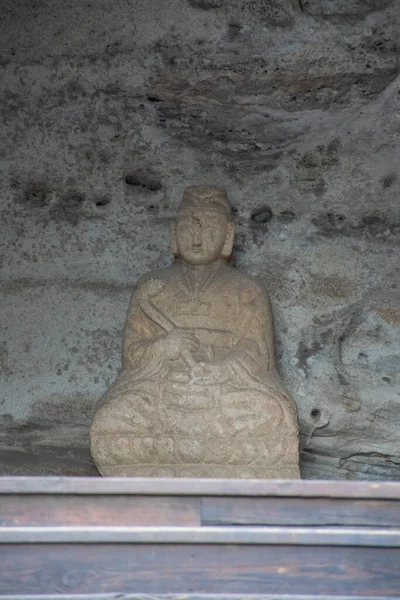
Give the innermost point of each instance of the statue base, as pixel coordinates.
(230, 457)
(203, 471)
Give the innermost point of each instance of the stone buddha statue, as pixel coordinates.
(198, 394)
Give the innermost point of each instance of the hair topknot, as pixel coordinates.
(206, 198)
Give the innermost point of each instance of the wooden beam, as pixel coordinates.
(273, 536)
(169, 539)
(195, 487)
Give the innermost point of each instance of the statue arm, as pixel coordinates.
(143, 340)
(151, 340)
(252, 352)
(254, 341)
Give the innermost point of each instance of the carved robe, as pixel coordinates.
(157, 421)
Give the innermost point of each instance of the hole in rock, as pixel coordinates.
(315, 413)
(262, 215)
(143, 180)
(103, 202)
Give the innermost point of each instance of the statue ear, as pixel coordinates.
(228, 246)
(173, 245)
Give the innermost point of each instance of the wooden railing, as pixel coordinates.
(189, 538)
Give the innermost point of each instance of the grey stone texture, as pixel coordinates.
(108, 110)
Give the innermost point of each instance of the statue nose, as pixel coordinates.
(197, 239)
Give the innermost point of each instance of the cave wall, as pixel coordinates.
(108, 110)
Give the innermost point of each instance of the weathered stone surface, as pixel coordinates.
(343, 8)
(270, 12)
(108, 110)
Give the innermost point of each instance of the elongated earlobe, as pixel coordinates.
(173, 245)
(228, 246)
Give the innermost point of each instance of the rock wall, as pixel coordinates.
(108, 110)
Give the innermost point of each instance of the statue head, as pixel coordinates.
(203, 231)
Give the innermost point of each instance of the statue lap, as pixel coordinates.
(214, 432)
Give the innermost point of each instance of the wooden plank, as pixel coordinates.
(69, 509)
(119, 596)
(299, 511)
(298, 536)
(199, 487)
(38, 509)
(149, 569)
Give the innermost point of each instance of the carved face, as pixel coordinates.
(201, 236)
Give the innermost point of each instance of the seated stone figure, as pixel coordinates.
(198, 394)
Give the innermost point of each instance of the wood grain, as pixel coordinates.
(149, 569)
(113, 510)
(50, 510)
(299, 511)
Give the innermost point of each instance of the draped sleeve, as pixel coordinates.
(142, 352)
(253, 346)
